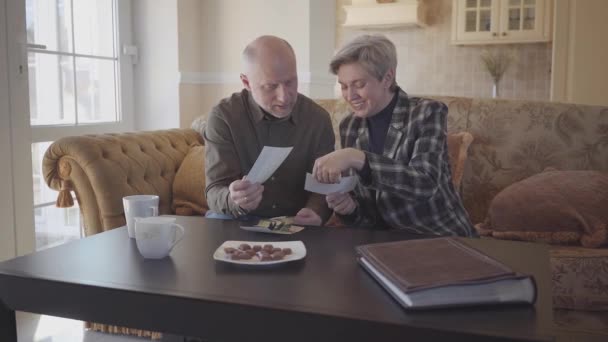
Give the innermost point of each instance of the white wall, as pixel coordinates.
(322, 23)
(156, 77)
(580, 52)
(225, 27)
(228, 26)
(7, 228)
(190, 27)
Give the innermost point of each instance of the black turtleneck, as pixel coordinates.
(378, 130)
(378, 126)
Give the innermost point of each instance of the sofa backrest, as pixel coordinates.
(515, 139)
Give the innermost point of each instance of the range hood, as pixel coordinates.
(372, 14)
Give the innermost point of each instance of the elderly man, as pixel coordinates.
(269, 111)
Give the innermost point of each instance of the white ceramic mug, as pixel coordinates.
(156, 236)
(139, 206)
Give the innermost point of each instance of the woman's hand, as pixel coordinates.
(329, 168)
(342, 204)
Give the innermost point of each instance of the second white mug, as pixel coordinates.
(139, 206)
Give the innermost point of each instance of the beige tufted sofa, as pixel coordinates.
(512, 140)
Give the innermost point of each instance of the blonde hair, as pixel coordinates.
(375, 53)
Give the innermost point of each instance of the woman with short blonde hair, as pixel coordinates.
(396, 144)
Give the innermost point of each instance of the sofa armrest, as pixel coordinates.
(102, 169)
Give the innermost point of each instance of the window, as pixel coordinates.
(76, 78)
(72, 62)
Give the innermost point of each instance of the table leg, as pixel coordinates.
(8, 324)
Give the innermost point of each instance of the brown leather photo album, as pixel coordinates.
(440, 272)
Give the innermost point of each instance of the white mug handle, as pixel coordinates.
(180, 237)
(154, 210)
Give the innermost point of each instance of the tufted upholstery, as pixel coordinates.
(104, 168)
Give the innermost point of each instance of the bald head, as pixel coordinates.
(266, 50)
(270, 74)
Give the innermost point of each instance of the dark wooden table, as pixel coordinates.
(325, 297)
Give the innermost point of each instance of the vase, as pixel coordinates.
(495, 90)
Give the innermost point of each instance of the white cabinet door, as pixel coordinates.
(475, 19)
(500, 21)
(522, 20)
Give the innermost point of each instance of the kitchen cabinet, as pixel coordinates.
(501, 21)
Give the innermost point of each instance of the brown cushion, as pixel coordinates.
(189, 184)
(558, 207)
(458, 146)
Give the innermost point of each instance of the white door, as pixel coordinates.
(7, 229)
(67, 77)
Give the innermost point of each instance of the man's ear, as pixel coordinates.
(245, 82)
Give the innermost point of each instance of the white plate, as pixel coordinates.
(298, 251)
(285, 231)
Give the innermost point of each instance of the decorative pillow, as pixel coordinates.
(458, 146)
(189, 184)
(557, 207)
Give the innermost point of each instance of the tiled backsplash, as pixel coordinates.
(429, 64)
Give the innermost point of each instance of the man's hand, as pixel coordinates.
(246, 194)
(307, 217)
(342, 204)
(329, 168)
